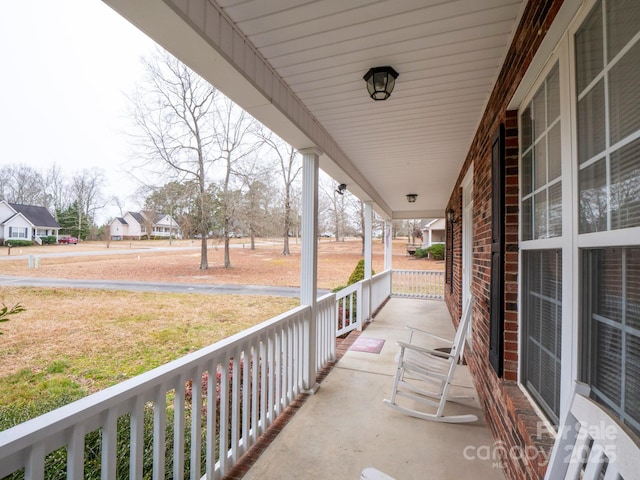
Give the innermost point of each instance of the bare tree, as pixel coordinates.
(55, 188)
(335, 206)
(174, 111)
(86, 193)
(21, 184)
(257, 188)
(234, 143)
(289, 168)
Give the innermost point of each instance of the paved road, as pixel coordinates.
(292, 292)
(71, 252)
(8, 280)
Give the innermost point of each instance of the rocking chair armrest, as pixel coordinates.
(428, 351)
(429, 334)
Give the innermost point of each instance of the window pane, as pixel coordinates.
(542, 314)
(540, 219)
(555, 210)
(623, 19)
(540, 166)
(625, 186)
(593, 198)
(539, 117)
(527, 174)
(526, 129)
(591, 123)
(608, 301)
(548, 331)
(527, 227)
(611, 338)
(632, 379)
(554, 152)
(553, 95)
(633, 288)
(624, 95)
(608, 361)
(589, 50)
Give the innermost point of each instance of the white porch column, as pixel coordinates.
(309, 263)
(429, 244)
(368, 213)
(388, 233)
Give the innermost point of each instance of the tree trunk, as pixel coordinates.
(287, 223)
(227, 257)
(204, 263)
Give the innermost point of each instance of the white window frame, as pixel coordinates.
(564, 243)
(624, 237)
(571, 242)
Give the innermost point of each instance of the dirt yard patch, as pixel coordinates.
(263, 266)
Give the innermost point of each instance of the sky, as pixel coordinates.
(66, 67)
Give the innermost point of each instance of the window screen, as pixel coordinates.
(611, 316)
(542, 321)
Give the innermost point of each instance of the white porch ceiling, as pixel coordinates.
(448, 54)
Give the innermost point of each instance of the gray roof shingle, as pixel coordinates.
(38, 216)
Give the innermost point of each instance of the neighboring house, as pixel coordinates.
(433, 231)
(26, 222)
(138, 225)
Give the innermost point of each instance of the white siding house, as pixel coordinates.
(26, 222)
(137, 225)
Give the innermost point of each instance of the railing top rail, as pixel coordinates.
(348, 290)
(439, 272)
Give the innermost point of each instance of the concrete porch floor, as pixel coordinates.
(345, 427)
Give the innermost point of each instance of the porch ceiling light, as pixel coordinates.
(411, 197)
(380, 82)
(341, 189)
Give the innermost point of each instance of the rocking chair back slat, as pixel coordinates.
(592, 444)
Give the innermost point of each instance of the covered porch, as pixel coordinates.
(240, 409)
(491, 126)
(345, 427)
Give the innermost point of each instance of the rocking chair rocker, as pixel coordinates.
(417, 365)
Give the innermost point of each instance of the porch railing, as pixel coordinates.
(199, 413)
(417, 284)
(194, 416)
(380, 288)
(349, 312)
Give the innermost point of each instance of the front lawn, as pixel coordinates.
(69, 343)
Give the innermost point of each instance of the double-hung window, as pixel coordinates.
(607, 62)
(580, 215)
(541, 221)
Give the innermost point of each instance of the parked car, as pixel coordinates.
(72, 240)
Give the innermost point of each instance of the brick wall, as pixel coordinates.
(509, 413)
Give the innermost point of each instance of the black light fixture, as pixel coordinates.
(411, 197)
(341, 189)
(380, 82)
(451, 217)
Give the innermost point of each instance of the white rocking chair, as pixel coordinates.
(591, 444)
(417, 365)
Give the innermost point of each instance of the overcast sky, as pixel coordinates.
(66, 65)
